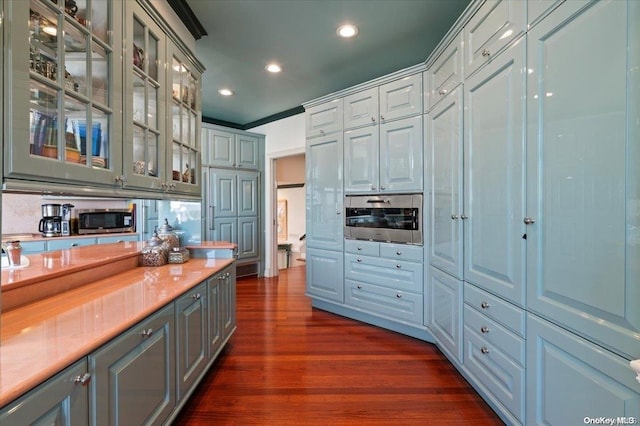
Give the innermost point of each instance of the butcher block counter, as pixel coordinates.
(92, 295)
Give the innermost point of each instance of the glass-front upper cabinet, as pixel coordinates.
(185, 118)
(65, 128)
(144, 164)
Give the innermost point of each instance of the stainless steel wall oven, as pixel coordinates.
(393, 218)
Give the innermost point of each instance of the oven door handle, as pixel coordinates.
(386, 200)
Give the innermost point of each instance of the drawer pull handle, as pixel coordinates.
(486, 53)
(195, 296)
(529, 221)
(399, 266)
(484, 350)
(147, 333)
(82, 380)
(484, 305)
(358, 260)
(74, 245)
(399, 253)
(484, 329)
(442, 92)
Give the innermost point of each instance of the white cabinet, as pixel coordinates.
(570, 379)
(494, 232)
(443, 170)
(324, 119)
(490, 30)
(361, 109)
(324, 195)
(583, 172)
(444, 75)
(61, 400)
(325, 274)
(538, 9)
(387, 158)
(133, 376)
(229, 149)
(401, 98)
(445, 301)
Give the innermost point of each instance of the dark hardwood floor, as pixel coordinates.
(289, 364)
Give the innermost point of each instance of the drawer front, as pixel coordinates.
(394, 274)
(118, 239)
(402, 252)
(496, 371)
(365, 248)
(499, 310)
(68, 243)
(495, 335)
(386, 302)
(33, 247)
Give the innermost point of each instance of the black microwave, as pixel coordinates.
(104, 221)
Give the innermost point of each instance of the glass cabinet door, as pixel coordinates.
(144, 141)
(69, 66)
(185, 116)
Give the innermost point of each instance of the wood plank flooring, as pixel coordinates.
(289, 364)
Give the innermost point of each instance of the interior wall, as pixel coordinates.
(283, 138)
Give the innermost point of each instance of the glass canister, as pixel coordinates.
(168, 236)
(155, 252)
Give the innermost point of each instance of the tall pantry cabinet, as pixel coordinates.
(583, 206)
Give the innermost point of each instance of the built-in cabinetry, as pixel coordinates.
(233, 169)
(84, 114)
(39, 246)
(144, 375)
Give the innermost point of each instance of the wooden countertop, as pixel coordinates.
(42, 338)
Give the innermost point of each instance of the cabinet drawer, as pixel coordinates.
(494, 335)
(495, 371)
(501, 311)
(69, 243)
(394, 274)
(365, 248)
(33, 247)
(117, 239)
(383, 301)
(490, 30)
(402, 252)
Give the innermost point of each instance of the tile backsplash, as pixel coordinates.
(21, 213)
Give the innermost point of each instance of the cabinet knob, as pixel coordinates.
(373, 119)
(382, 117)
(82, 380)
(147, 333)
(398, 266)
(359, 248)
(529, 221)
(486, 53)
(74, 245)
(484, 329)
(373, 187)
(321, 132)
(484, 350)
(399, 295)
(442, 92)
(195, 296)
(454, 216)
(359, 287)
(358, 260)
(463, 217)
(382, 188)
(399, 253)
(484, 305)
(338, 212)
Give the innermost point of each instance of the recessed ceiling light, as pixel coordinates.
(273, 67)
(225, 92)
(347, 30)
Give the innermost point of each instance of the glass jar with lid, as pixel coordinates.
(168, 236)
(155, 252)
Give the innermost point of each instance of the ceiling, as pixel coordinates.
(244, 35)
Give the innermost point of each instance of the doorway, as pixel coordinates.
(289, 202)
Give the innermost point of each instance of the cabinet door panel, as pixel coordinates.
(133, 377)
(494, 247)
(443, 168)
(361, 151)
(444, 75)
(324, 195)
(583, 171)
(247, 237)
(361, 109)
(224, 193)
(225, 229)
(490, 30)
(445, 295)
(248, 194)
(401, 98)
(570, 379)
(222, 149)
(246, 152)
(537, 10)
(401, 155)
(214, 313)
(325, 274)
(324, 119)
(191, 337)
(59, 401)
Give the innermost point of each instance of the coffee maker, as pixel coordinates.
(51, 223)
